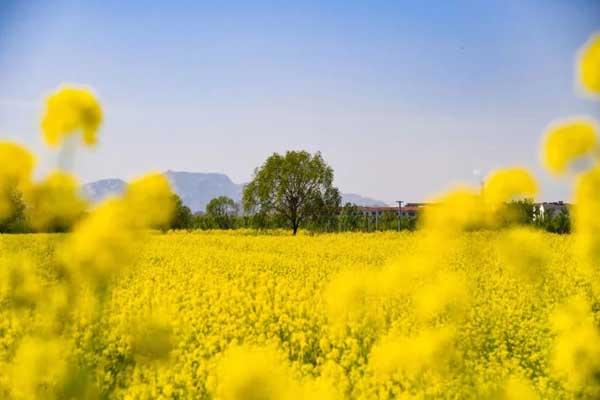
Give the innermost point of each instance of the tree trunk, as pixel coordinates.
(294, 228)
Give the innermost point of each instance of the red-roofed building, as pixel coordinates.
(408, 210)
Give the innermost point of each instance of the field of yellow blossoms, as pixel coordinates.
(464, 307)
(239, 315)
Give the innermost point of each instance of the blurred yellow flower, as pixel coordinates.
(566, 141)
(254, 373)
(446, 294)
(586, 200)
(459, 209)
(151, 338)
(54, 203)
(106, 239)
(347, 296)
(39, 369)
(19, 281)
(152, 199)
(17, 165)
(508, 184)
(17, 162)
(525, 253)
(70, 110)
(519, 389)
(576, 353)
(570, 315)
(588, 65)
(99, 244)
(584, 215)
(430, 350)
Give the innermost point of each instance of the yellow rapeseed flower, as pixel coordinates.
(151, 338)
(150, 199)
(576, 352)
(508, 184)
(19, 281)
(459, 209)
(525, 253)
(39, 369)
(99, 244)
(585, 213)
(54, 203)
(70, 110)
(105, 240)
(254, 373)
(446, 294)
(17, 162)
(17, 165)
(347, 296)
(518, 389)
(588, 65)
(566, 141)
(430, 350)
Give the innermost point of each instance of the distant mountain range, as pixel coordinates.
(361, 200)
(196, 189)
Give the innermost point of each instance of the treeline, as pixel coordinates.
(224, 213)
(24, 215)
(525, 212)
(348, 219)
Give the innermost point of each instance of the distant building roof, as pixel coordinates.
(553, 206)
(415, 205)
(406, 208)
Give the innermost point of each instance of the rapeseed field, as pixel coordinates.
(240, 315)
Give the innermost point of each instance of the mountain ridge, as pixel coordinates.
(196, 189)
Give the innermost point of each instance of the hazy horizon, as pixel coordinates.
(402, 100)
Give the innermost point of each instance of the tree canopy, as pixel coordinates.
(297, 186)
(182, 215)
(222, 210)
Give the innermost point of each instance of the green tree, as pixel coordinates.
(182, 215)
(351, 219)
(518, 212)
(557, 222)
(297, 186)
(222, 210)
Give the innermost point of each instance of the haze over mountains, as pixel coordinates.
(196, 189)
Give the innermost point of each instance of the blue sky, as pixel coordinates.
(402, 98)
